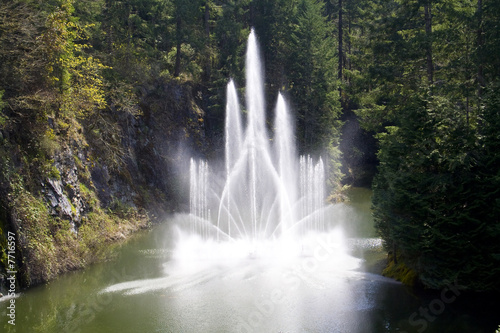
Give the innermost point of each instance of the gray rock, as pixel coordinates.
(57, 198)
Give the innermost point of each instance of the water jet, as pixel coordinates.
(267, 191)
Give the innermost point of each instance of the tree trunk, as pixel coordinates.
(206, 19)
(428, 33)
(394, 253)
(480, 46)
(206, 22)
(129, 38)
(349, 44)
(468, 77)
(341, 64)
(108, 26)
(177, 69)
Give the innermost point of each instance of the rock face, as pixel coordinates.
(151, 175)
(59, 201)
(124, 162)
(63, 194)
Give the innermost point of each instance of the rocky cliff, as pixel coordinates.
(71, 186)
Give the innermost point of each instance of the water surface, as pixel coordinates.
(323, 287)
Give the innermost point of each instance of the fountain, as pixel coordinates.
(255, 253)
(266, 191)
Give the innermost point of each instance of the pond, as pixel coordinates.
(331, 283)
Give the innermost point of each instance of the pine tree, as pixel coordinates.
(434, 202)
(313, 82)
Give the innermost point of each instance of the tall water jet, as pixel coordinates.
(233, 146)
(198, 203)
(266, 191)
(312, 191)
(285, 151)
(255, 93)
(256, 136)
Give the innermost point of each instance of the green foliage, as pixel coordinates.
(313, 85)
(90, 233)
(4, 260)
(33, 225)
(50, 245)
(435, 196)
(427, 199)
(53, 173)
(49, 143)
(76, 75)
(312, 77)
(3, 119)
(89, 196)
(401, 272)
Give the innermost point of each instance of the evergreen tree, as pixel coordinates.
(432, 204)
(313, 84)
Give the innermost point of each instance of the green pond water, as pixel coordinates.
(162, 280)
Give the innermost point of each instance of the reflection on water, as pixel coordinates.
(165, 281)
(280, 287)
